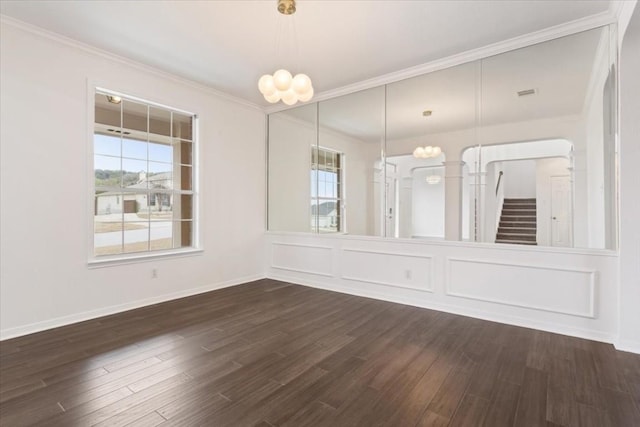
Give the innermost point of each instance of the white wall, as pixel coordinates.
(428, 212)
(629, 298)
(519, 179)
(45, 200)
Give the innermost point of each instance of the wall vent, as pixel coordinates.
(526, 92)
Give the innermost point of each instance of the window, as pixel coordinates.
(326, 190)
(143, 161)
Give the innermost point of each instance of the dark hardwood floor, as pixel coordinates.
(269, 353)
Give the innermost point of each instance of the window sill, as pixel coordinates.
(137, 258)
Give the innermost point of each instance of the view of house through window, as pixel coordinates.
(326, 190)
(143, 168)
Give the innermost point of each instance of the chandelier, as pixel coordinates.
(282, 85)
(426, 152)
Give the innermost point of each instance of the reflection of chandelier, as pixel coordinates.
(282, 85)
(426, 152)
(433, 179)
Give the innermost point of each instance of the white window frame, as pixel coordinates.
(340, 199)
(149, 255)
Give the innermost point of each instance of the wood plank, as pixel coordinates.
(503, 405)
(470, 412)
(532, 403)
(431, 419)
(450, 394)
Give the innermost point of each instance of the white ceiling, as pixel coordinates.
(559, 70)
(228, 45)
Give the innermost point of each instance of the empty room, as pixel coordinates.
(320, 213)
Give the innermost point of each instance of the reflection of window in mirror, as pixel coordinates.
(327, 198)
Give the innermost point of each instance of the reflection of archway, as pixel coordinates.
(530, 178)
(418, 204)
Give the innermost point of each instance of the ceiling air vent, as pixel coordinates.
(526, 92)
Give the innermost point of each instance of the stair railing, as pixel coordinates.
(499, 203)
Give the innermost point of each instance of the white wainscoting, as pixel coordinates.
(561, 290)
(404, 270)
(572, 292)
(302, 258)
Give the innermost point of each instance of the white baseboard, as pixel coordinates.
(627, 345)
(459, 310)
(105, 311)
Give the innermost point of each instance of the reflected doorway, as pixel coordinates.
(561, 211)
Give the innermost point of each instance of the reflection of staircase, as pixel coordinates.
(518, 222)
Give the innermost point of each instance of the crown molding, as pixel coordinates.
(7, 20)
(622, 10)
(561, 30)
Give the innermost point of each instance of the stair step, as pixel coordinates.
(510, 200)
(508, 211)
(518, 206)
(518, 218)
(517, 230)
(517, 242)
(518, 224)
(517, 237)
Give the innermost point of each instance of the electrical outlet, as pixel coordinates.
(154, 273)
(407, 274)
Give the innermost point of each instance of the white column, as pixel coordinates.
(453, 199)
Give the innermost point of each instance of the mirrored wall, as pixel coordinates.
(517, 148)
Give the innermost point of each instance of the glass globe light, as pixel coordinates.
(301, 84)
(282, 80)
(307, 95)
(267, 85)
(418, 153)
(289, 97)
(428, 151)
(275, 97)
(436, 151)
